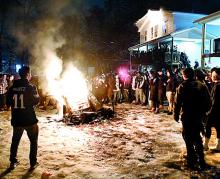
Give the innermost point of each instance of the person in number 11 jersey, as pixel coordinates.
(22, 97)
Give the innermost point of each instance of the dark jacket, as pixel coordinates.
(170, 85)
(214, 112)
(22, 97)
(194, 99)
(154, 83)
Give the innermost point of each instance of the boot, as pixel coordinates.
(156, 111)
(218, 145)
(206, 144)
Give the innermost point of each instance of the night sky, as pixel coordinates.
(91, 3)
(87, 26)
(199, 6)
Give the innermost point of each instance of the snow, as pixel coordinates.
(134, 144)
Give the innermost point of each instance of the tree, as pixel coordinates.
(4, 40)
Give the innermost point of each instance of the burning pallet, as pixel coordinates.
(93, 113)
(88, 117)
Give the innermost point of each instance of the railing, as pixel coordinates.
(175, 59)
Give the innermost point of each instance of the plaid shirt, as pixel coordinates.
(3, 86)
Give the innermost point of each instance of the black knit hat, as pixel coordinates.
(23, 71)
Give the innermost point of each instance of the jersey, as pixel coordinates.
(22, 97)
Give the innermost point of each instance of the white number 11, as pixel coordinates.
(21, 98)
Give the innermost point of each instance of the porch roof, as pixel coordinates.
(212, 19)
(189, 34)
(154, 41)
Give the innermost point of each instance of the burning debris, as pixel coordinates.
(92, 114)
(75, 103)
(88, 116)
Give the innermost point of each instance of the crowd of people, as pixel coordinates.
(153, 88)
(192, 96)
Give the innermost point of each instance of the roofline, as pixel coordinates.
(173, 12)
(145, 15)
(208, 18)
(191, 28)
(180, 31)
(172, 35)
(190, 13)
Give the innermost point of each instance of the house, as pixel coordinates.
(210, 23)
(169, 38)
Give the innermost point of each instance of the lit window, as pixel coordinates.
(152, 32)
(142, 38)
(145, 36)
(165, 27)
(156, 31)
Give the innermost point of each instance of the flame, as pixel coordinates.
(67, 86)
(74, 88)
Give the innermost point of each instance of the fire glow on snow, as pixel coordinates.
(67, 86)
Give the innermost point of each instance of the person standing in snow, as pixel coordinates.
(214, 113)
(170, 91)
(154, 85)
(161, 88)
(3, 92)
(22, 97)
(138, 87)
(192, 97)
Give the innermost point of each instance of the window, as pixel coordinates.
(141, 38)
(145, 36)
(155, 30)
(165, 26)
(152, 32)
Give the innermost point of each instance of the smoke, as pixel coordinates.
(46, 37)
(47, 40)
(48, 27)
(53, 37)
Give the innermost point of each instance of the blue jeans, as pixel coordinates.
(32, 132)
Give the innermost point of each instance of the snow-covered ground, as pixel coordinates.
(134, 144)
